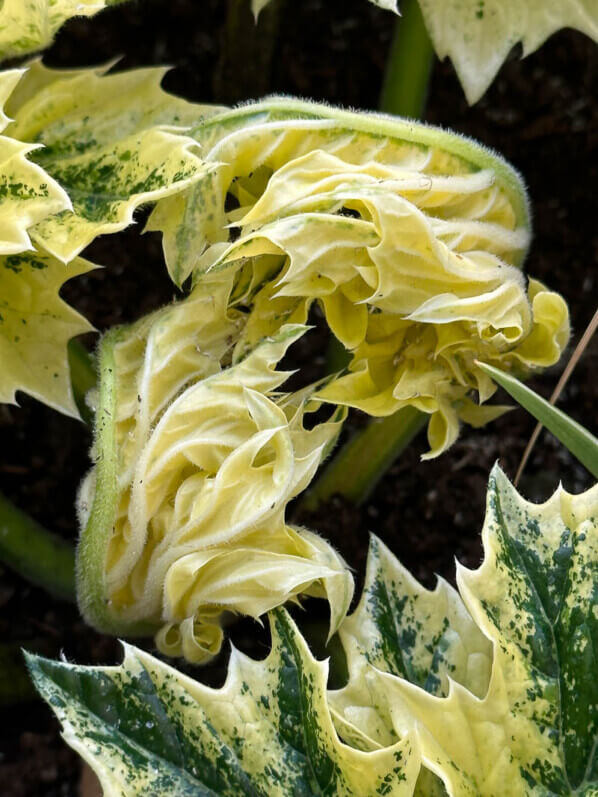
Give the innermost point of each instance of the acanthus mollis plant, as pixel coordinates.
(484, 692)
(196, 457)
(411, 239)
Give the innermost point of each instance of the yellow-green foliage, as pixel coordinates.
(419, 664)
(409, 237)
(113, 142)
(486, 692)
(147, 729)
(30, 25)
(196, 461)
(81, 153)
(478, 35)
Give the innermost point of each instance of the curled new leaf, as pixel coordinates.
(113, 142)
(410, 239)
(196, 461)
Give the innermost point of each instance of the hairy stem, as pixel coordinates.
(364, 459)
(405, 86)
(41, 557)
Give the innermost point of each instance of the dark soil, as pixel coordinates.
(540, 113)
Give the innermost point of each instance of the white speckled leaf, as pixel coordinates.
(423, 636)
(147, 729)
(30, 25)
(478, 35)
(35, 327)
(536, 597)
(113, 142)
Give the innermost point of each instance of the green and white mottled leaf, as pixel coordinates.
(30, 25)
(146, 728)
(35, 327)
(27, 193)
(477, 35)
(113, 142)
(424, 636)
(535, 596)
(577, 439)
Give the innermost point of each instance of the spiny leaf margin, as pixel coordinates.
(143, 727)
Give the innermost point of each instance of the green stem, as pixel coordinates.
(36, 554)
(364, 459)
(405, 86)
(83, 376)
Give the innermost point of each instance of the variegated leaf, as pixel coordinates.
(27, 193)
(35, 327)
(535, 596)
(145, 728)
(30, 25)
(113, 142)
(478, 35)
(426, 637)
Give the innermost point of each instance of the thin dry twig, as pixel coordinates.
(579, 350)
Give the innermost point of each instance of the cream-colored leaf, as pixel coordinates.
(196, 461)
(425, 637)
(409, 238)
(30, 25)
(27, 193)
(35, 327)
(113, 142)
(145, 728)
(535, 597)
(478, 35)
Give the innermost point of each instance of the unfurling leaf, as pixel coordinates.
(35, 327)
(197, 458)
(478, 35)
(113, 142)
(146, 728)
(410, 238)
(534, 731)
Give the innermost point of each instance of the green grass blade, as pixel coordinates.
(578, 440)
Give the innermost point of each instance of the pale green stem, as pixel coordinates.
(364, 459)
(41, 557)
(405, 86)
